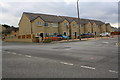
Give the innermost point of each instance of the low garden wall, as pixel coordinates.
(17, 40)
(22, 38)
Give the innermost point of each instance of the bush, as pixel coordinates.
(47, 41)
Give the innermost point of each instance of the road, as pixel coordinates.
(84, 59)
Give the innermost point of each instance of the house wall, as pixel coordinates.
(24, 25)
(108, 28)
(51, 29)
(14, 33)
(74, 29)
(88, 28)
(43, 29)
(82, 28)
(38, 29)
(2, 28)
(62, 28)
(95, 28)
(103, 28)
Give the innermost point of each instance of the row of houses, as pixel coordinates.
(44, 24)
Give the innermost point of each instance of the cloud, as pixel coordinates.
(67, 1)
(104, 11)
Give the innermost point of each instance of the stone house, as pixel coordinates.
(43, 25)
(108, 27)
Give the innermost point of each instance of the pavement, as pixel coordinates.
(81, 59)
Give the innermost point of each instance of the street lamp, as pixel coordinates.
(78, 19)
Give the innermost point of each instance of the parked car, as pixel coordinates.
(62, 36)
(87, 35)
(53, 38)
(105, 34)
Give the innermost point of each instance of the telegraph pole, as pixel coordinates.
(78, 19)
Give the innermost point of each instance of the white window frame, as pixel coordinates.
(54, 24)
(66, 24)
(39, 23)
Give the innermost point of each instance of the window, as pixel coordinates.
(74, 24)
(39, 23)
(65, 24)
(46, 24)
(54, 24)
(46, 34)
(55, 33)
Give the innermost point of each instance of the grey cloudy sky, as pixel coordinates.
(106, 11)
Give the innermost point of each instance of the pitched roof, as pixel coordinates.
(56, 19)
(69, 19)
(45, 17)
(97, 22)
(82, 21)
(107, 24)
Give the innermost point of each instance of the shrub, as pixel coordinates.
(47, 41)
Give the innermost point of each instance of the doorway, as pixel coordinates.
(75, 35)
(65, 33)
(41, 35)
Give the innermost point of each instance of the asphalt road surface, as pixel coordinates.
(85, 59)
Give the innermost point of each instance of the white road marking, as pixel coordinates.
(8, 52)
(105, 42)
(67, 63)
(87, 67)
(113, 71)
(14, 53)
(28, 56)
(67, 49)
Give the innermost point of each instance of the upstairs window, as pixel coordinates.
(65, 24)
(39, 23)
(47, 34)
(54, 24)
(74, 24)
(46, 24)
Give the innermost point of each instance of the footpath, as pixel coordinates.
(83, 39)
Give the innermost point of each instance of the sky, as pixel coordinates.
(103, 10)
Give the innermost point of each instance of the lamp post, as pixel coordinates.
(78, 19)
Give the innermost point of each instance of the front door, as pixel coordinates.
(41, 35)
(65, 33)
(75, 34)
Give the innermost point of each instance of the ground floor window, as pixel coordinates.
(55, 33)
(47, 34)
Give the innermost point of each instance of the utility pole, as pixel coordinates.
(67, 28)
(78, 19)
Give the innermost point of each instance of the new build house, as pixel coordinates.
(44, 24)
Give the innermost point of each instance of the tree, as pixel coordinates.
(6, 26)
